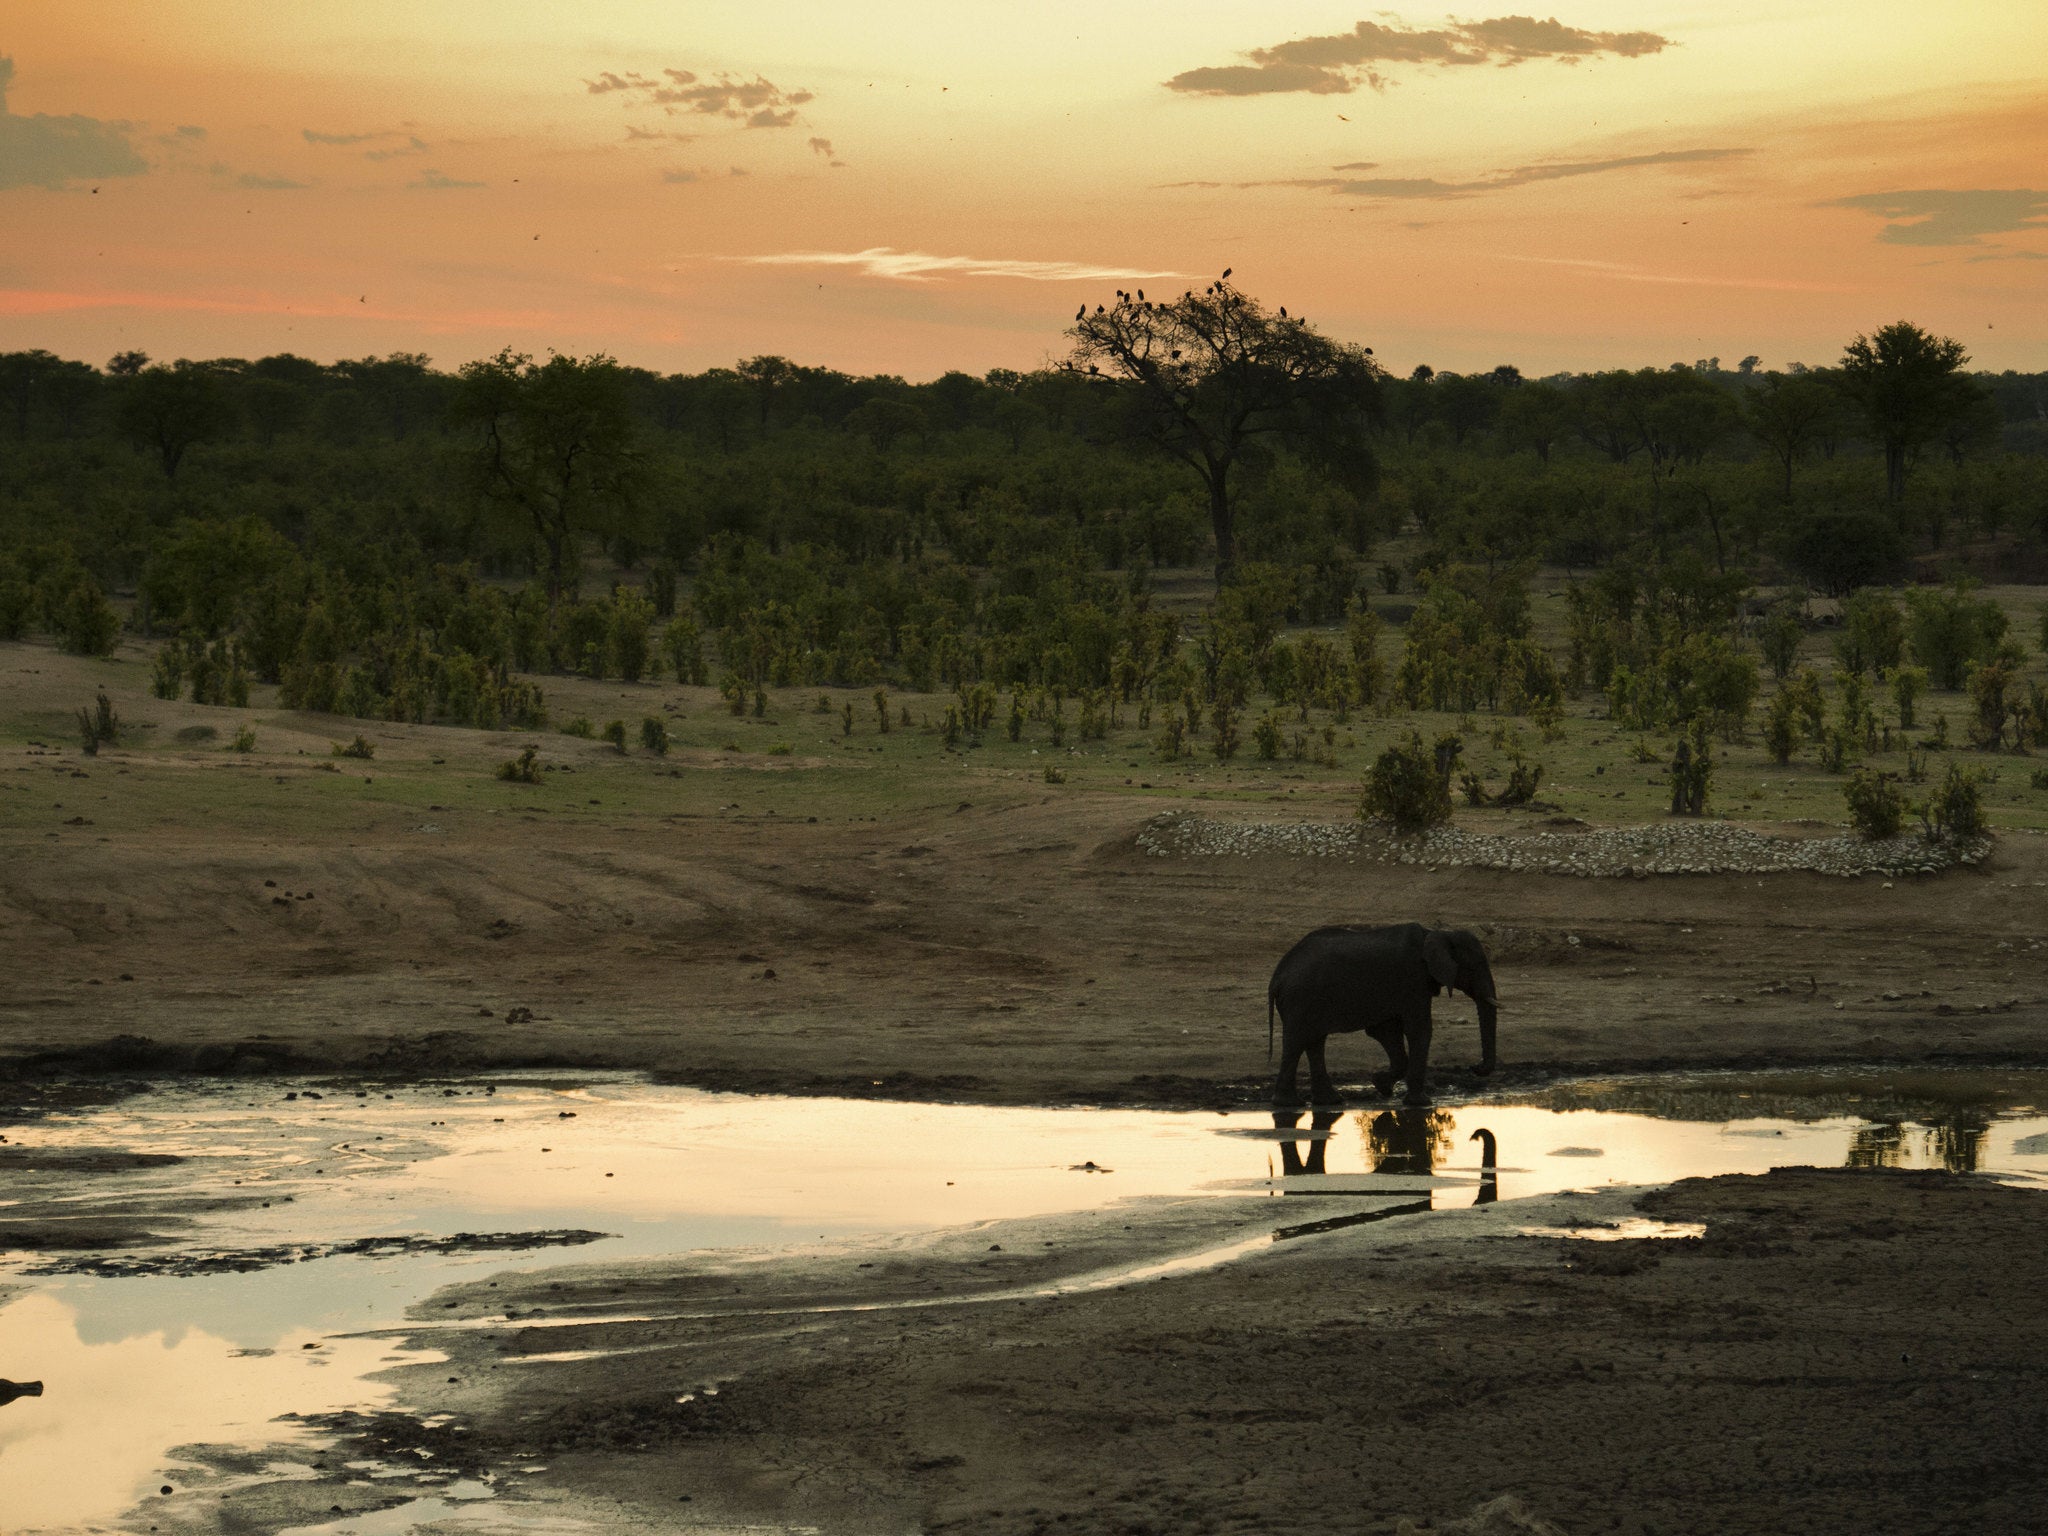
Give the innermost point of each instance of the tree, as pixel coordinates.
(170, 409)
(1208, 376)
(1909, 386)
(554, 443)
(1535, 416)
(1789, 415)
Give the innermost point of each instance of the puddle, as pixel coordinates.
(356, 1207)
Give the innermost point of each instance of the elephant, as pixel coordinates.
(1379, 980)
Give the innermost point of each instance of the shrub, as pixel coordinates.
(1877, 806)
(167, 673)
(245, 741)
(1173, 738)
(1950, 629)
(1873, 633)
(1016, 721)
(1780, 637)
(615, 733)
(1266, 737)
(882, 711)
(1054, 774)
(846, 719)
(1523, 779)
(781, 749)
(1692, 772)
(1403, 786)
(1224, 740)
(1837, 746)
(104, 722)
(654, 735)
(88, 735)
(359, 748)
(1908, 683)
(579, 725)
(1990, 682)
(523, 769)
(1781, 727)
(2038, 778)
(1954, 812)
(86, 623)
(951, 729)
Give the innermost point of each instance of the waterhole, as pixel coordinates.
(262, 1256)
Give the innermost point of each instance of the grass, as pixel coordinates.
(794, 761)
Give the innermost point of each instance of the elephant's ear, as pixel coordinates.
(1437, 957)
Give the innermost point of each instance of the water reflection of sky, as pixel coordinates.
(136, 1365)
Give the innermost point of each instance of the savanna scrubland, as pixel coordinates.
(775, 729)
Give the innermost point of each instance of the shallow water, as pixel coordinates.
(139, 1364)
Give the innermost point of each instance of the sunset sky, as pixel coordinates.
(909, 186)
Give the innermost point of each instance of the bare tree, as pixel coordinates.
(1207, 375)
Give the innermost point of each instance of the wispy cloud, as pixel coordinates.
(435, 181)
(1622, 272)
(1397, 188)
(315, 136)
(45, 151)
(257, 182)
(1934, 216)
(755, 103)
(678, 176)
(1339, 63)
(413, 145)
(920, 267)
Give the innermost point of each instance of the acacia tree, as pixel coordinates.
(1207, 376)
(553, 442)
(1789, 415)
(1909, 386)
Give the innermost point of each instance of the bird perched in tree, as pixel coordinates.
(1226, 272)
(1081, 313)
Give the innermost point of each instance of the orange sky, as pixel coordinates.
(910, 186)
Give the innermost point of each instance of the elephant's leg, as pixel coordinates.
(1321, 1089)
(1389, 1037)
(1418, 1063)
(1284, 1091)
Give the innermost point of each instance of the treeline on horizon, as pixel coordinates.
(389, 540)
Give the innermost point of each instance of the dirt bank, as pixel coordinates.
(1017, 950)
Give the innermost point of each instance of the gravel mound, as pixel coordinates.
(1679, 848)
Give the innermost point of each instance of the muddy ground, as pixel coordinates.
(1842, 1352)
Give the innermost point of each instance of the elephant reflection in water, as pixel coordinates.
(1489, 1167)
(1953, 1141)
(1292, 1164)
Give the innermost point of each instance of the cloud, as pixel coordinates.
(413, 145)
(1941, 217)
(919, 267)
(1621, 271)
(678, 176)
(1339, 63)
(1430, 187)
(260, 183)
(53, 152)
(821, 147)
(191, 131)
(431, 180)
(758, 103)
(315, 136)
(663, 135)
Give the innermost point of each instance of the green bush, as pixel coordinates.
(1908, 683)
(167, 673)
(1524, 778)
(1877, 806)
(615, 733)
(1954, 813)
(579, 725)
(245, 741)
(1406, 787)
(1054, 775)
(523, 769)
(1267, 737)
(781, 749)
(86, 623)
(359, 748)
(654, 735)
